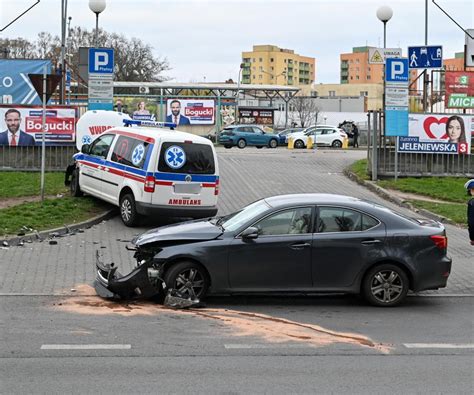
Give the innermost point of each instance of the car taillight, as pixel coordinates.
(440, 241)
(216, 190)
(149, 184)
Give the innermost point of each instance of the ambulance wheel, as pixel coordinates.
(128, 210)
(74, 186)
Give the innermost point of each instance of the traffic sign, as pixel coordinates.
(101, 60)
(396, 70)
(378, 55)
(426, 57)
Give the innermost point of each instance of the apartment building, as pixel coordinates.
(271, 65)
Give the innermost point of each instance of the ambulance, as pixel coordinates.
(148, 169)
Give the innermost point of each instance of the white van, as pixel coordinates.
(148, 170)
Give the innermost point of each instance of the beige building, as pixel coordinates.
(373, 93)
(271, 65)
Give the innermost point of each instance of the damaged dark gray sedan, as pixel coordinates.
(303, 243)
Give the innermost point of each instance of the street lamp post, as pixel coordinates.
(238, 93)
(384, 13)
(97, 6)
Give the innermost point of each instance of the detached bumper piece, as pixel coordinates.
(110, 284)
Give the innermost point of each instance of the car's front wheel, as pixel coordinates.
(273, 143)
(299, 144)
(241, 143)
(128, 210)
(189, 279)
(74, 186)
(385, 285)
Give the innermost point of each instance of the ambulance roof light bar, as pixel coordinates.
(153, 124)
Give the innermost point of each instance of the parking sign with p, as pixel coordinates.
(396, 70)
(101, 61)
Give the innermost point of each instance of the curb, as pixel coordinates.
(395, 199)
(59, 232)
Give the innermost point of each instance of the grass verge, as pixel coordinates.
(19, 184)
(448, 189)
(456, 212)
(49, 214)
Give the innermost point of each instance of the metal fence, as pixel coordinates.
(383, 158)
(29, 158)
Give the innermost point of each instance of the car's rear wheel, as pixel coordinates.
(385, 285)
(189, 279)
(227, 146)
(337, 144)
(241, 143)
(74, 187)
(299, 144)
(273, 143)
(128, 210)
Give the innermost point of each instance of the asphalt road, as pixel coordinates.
(58, 337)
(66, 345)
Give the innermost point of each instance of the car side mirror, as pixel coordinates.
(85, 149)
(250, 233)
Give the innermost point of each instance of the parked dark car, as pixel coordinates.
(246, 135)
(291, 243)
(283, 135)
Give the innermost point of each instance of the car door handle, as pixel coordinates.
(299, 246)
(370, 242)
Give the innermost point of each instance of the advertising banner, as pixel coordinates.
(438, 134)
(15, 86)
(459, 89)
(190, 111)
(25, 124)
(259, 117)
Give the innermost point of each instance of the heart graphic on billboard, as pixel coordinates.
(435, 128)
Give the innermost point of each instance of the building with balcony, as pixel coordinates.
(271, 65)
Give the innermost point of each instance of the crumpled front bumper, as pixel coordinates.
(110, 284)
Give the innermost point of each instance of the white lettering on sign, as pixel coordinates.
(397, 70)
(65, 125)
(101, 59)
(7, 82)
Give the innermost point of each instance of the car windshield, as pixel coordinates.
(235, 221)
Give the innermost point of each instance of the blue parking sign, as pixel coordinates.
(396, 70)
(101, 60)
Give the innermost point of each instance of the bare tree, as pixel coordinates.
(304, 111)
(134, 59)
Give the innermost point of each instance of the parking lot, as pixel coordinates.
(246, 175)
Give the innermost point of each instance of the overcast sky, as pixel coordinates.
(203, 39)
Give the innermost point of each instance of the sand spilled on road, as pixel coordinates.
(240, 323)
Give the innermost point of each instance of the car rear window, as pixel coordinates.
(199, 159)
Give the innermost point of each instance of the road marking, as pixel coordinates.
(86, 347)
(260, 346)
(439, 345)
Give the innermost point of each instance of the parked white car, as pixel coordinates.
(324, 135)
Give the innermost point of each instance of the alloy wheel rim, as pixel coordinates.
(190, 283)
(386, 286)
(126, 210)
